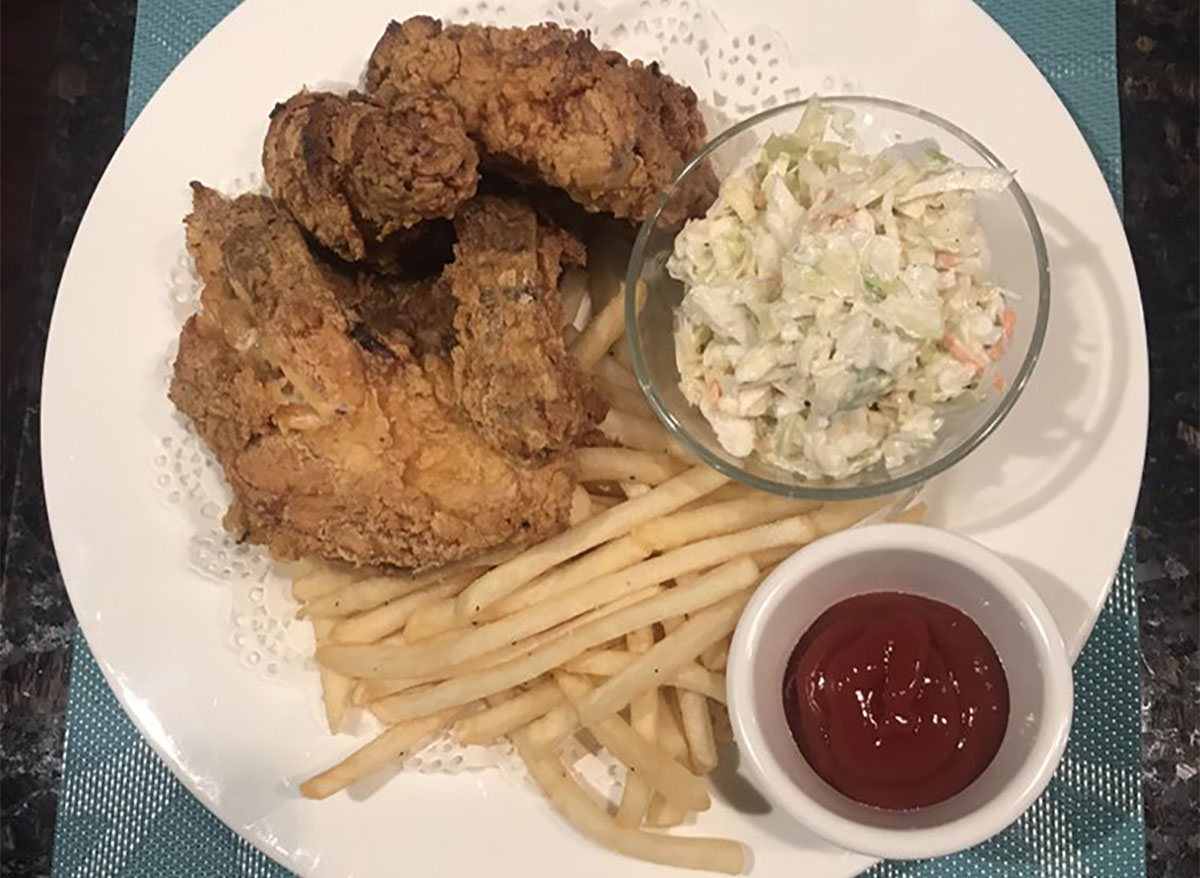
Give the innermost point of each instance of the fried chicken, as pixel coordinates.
(333, 447)
(353, 173)
(545, 102)
(512, 373)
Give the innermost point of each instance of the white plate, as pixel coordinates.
(1053, 489)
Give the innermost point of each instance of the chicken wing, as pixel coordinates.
(353, 173)
(545, 102)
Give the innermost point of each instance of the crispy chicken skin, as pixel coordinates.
(353, 173)
(333, 447)
(545, 102)
(512, 374)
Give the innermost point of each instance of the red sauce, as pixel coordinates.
(897, 701)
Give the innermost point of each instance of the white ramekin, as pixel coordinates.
(935, 564)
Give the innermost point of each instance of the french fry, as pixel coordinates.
(663, 660)
(390, 617)
(641, 433)
(608, 663)
(431, 620)
(729, 579)
(320, 581)
(620, 397)
(612, 372)
(914, 514)
(635, 799)
(660, 772)
(335, 687)
(623, 356)
(603, 501)
(661, 814)
(625, 465)
(423, 658)
(620, 554)
(611, 523)
(392, 745)
(368, 592)
(643, 717)
(640, 676)
(727, 492)
(833, 517)
(574, 289)
(715, 656)
(765, 558)
(384, 687)
(670, 731)
(633, 489)
(606, 327)
(788, 532)
(640, 640)
(581, 506)
(718, 855)
(547, 732)
(690, 525)
(495, 722)
(698, 730)
(616, 555)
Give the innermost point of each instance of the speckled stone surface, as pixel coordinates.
(1158, 74)
(85, 118)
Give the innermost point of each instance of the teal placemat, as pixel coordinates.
(122, 814)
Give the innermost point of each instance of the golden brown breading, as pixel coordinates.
(353, 173)
(332, 448)
(416, 316)
(512, 373)
(544, 101)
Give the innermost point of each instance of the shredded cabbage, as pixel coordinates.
(834, 300)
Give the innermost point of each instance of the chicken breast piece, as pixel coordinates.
(334, 448)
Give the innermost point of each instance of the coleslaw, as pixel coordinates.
(835, 300)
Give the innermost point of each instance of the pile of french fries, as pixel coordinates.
(617, 630)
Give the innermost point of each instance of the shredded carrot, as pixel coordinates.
(999, 383)
(944, 259)
(1008, 322)
(714, 390)
(961, 353)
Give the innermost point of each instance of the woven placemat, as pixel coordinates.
(122, 813)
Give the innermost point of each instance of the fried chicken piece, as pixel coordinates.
(546, 102)
(512, 373)
(259, 282)
(413, 316)
(354, 173)
(334, 449)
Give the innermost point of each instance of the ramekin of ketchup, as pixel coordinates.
(896, 700)
(900, 690)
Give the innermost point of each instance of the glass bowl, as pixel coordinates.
(1018, 263)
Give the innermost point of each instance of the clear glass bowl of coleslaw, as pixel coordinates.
(741, 355)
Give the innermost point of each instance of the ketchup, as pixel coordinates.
(897, 701)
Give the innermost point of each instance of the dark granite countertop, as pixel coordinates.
(65, 75)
